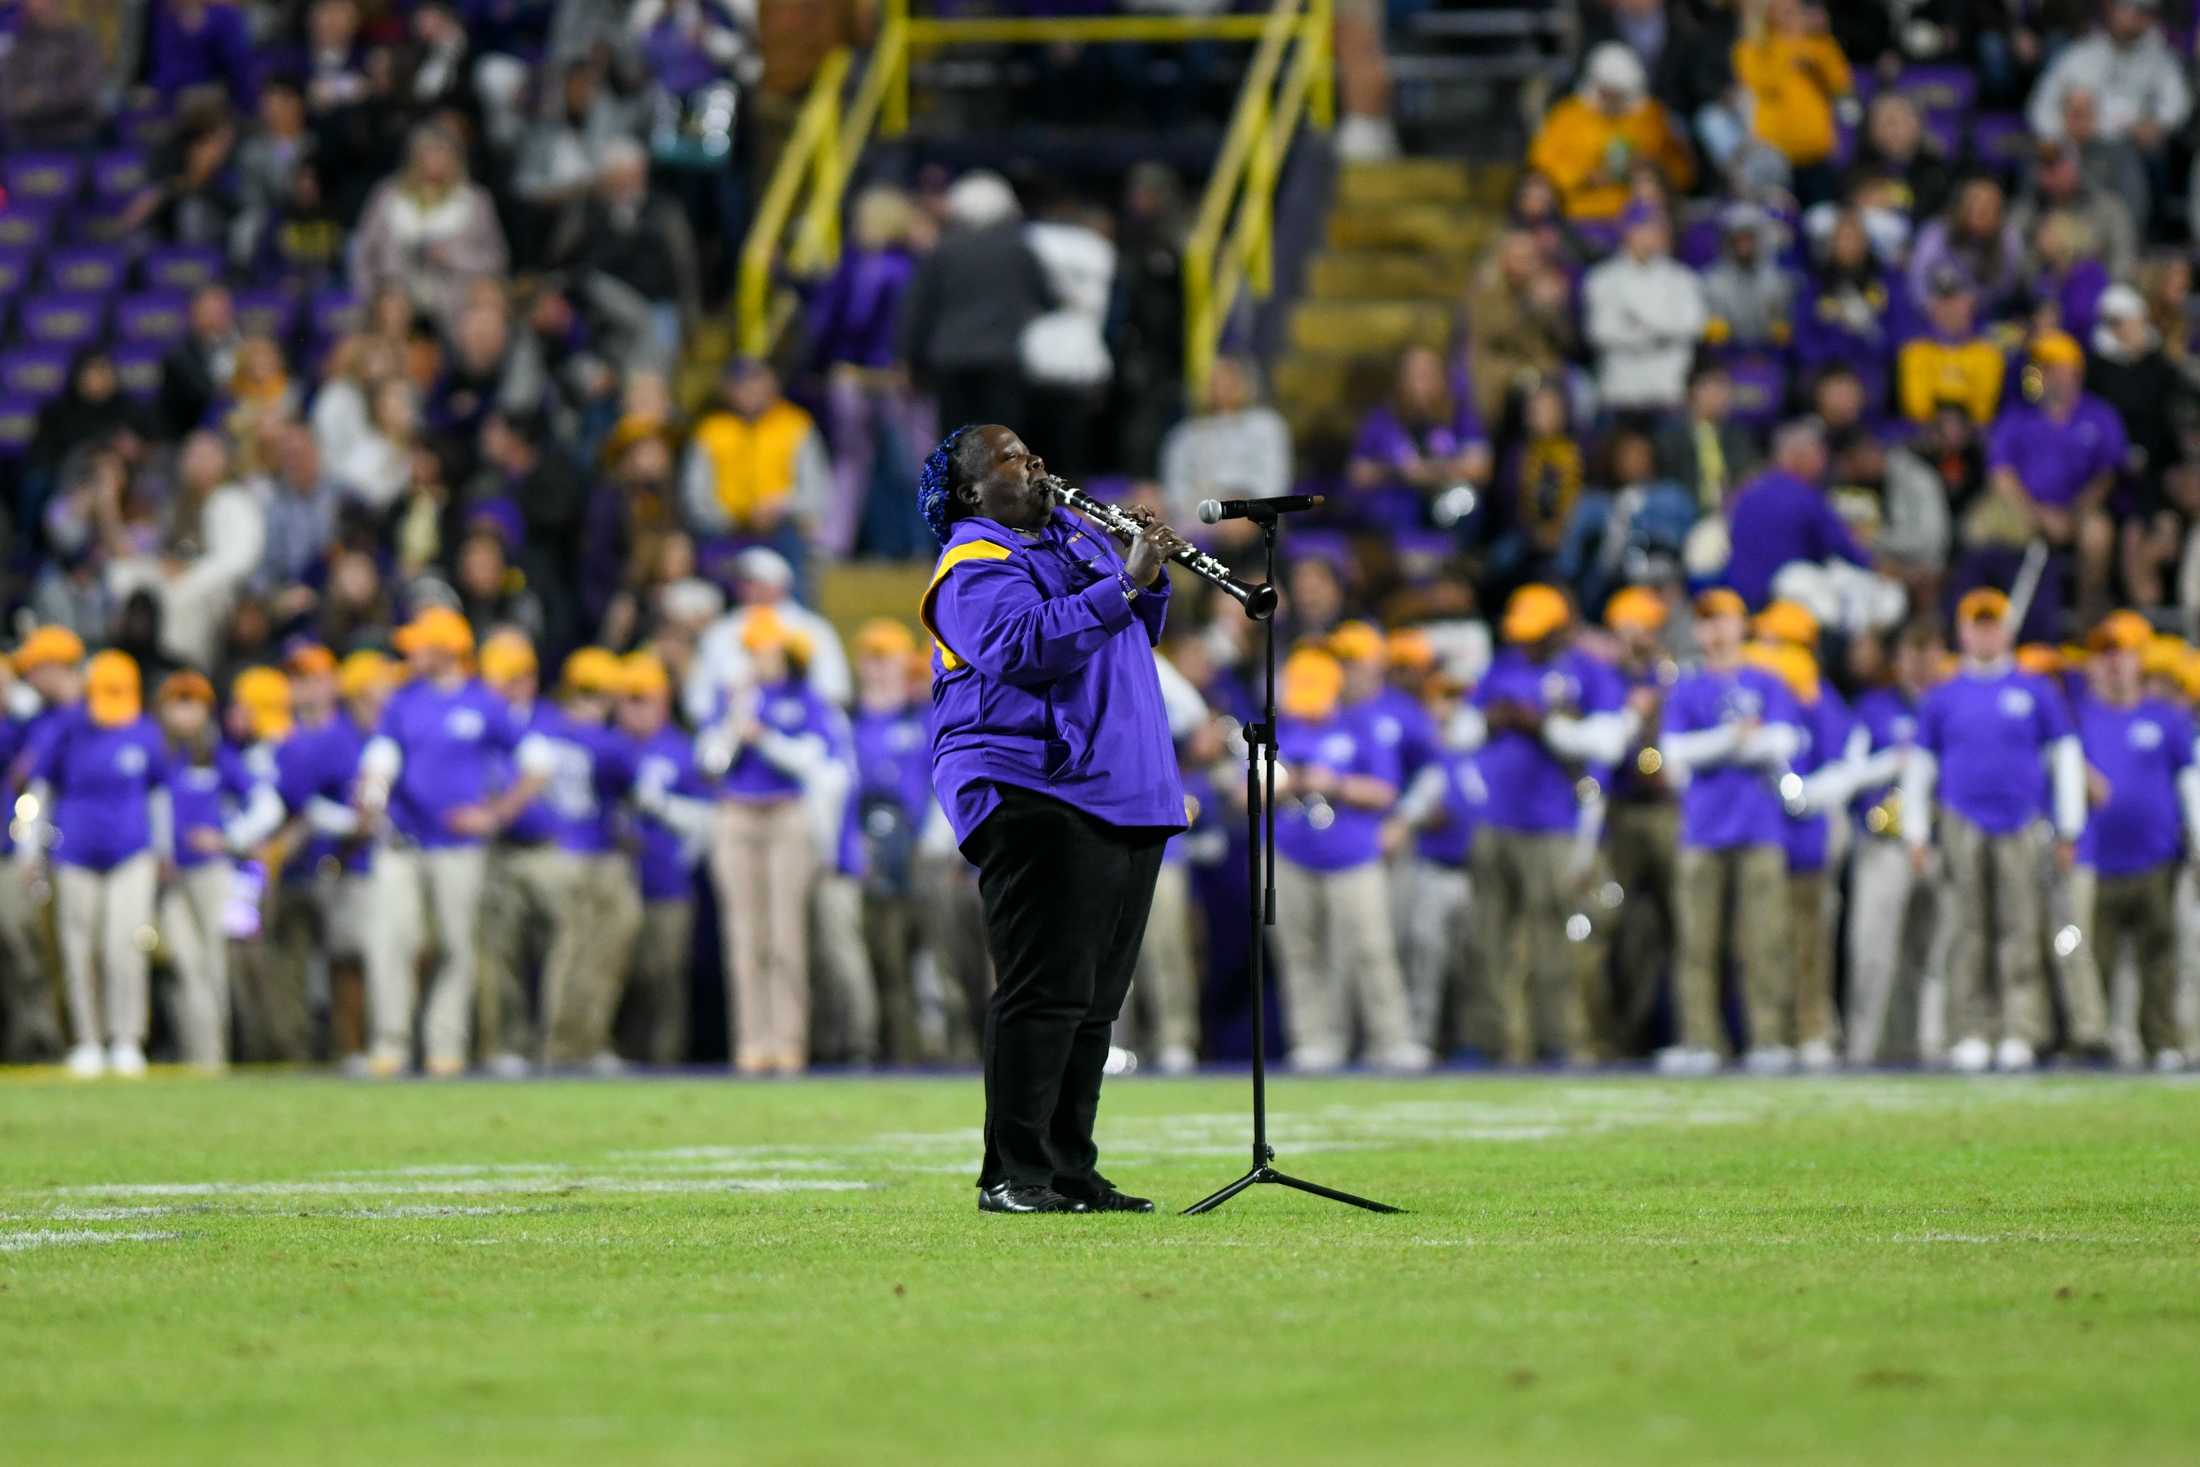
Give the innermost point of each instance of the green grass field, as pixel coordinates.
(309, 1270)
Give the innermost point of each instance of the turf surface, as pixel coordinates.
(309, 1270)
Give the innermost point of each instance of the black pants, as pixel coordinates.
(1065, 898)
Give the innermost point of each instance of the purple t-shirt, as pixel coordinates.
(592, 767)
(1730, 803)
(1044, 677)
(1450, 841)
(2140, 751)
(1346, 836)
(2056, 458)
(1890, 717)
(791, 708)
(1530, 788)
(1388, 440)
(458, 747)
(201, 795)
(1989, 733)
(1775, 520)
(321, 762)
(1398, 721)
(1825, 729)
(664, 859)
(102, 779)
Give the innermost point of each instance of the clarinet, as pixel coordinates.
(1259, 601)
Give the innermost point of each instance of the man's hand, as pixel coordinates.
(1151, 550)
(2066, 856)
(479, 821)
(1921, 860)
(205, 840)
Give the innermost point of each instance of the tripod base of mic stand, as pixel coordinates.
(1268, 1174)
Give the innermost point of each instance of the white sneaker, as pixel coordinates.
(606, 1066)
(126, 1060)
(86, 1062)
(1681, 1060)
(2014, 1055)
(1311, 1060)
(506, 1065)
(2169, 1062)
(1818, 1056)
(1408, 1058)
(1769, 1059)
(1120, 1061)
(1177, 1059)
(1970, 1056)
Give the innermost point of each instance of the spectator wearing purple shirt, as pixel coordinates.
(1730, 730)
(1782, 517)
(1426, 440)
(1991, 742)
(202, 43)
(2136, 838)
(437, 768)
(1551, 721)
(2054, 462)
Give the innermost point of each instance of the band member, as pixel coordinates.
(893, 795)
(528, 886)
(2141, 749)
(1441, 810)
(1642, 824)
(671, 830)
(273, 1018)
(439, 773)
(844, 1020)
(102, 771)
(1995, 757)
(30, 1025)
(1730, 731)
(1052, 759)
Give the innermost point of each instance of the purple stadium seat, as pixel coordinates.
(1945, 129)
(1760, 390)
(1940, 91)
(38, 372)
(93, 269)
(181, 267)
(16, 265)
(267, 312)
(42, 178)
(2000, 141)
(72, 319)
(159, 317)
(334, 312)
(119, 173)
(18, 425)
(137, 367)
(144, 126)
(25, 224)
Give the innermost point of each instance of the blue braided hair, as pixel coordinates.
(936, 484)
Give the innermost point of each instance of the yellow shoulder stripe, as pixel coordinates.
(956, 555)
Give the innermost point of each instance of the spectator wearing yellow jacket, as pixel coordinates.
(1794, 75)
(757, 470)
(1591, 142)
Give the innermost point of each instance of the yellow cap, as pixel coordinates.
(184, 685)
(1635, 609)
(593, 670)
(1984, 604)
(1312, 681)
(2040, 660)
(113, 693)
(643, 675)
(2188, 676)
(2057, 349)
(2125, 631)
(764, 627)
(2164, 656)
(1791, 664)
(1535, 612)
(1356, 641)
(1720, 601)
(309, 659)
(438, 628)
(882, 636)
(506, 657)
(264, 695)
(361, 672)
(1789, 622)
(47, 646)
(1409, 647)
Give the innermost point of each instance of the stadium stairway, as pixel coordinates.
(1399, 244)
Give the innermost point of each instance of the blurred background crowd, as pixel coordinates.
(1748, 617)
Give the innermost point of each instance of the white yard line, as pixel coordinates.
(74, 1237)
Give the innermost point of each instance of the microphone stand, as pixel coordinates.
(1260, 825)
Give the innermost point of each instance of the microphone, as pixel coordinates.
(1215, 511)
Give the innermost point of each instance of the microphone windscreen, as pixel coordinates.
(1210, 511)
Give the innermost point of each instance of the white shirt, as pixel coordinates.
(722, 664)
(1644, 318)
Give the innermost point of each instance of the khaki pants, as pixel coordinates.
(1733, 902)
(846, 1023)
(1641, 845)
(890, 935)
(192, 927)
(1338, 953)
(1426, 903)
(1531, 993)
(2081, 984)
(1163, 1009)
(2133, 914)
(1893, 920)
(761, 862)
(1810, 939)
(104, 920)
(591, 949)
(407, 889)
(951, 918)
(317, 918)
(30, 1028)
(653, 1022)
(1995, 986)
(527, 895)
(2188, 958)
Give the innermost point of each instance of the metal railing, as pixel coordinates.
(810, 182)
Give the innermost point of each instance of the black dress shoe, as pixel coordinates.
(1034, 1198)
(1108, 1198)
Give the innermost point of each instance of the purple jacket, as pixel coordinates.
(858, 310)
(1776, 519)
(218, 49)
(1044, 676)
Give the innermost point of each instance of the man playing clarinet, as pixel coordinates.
(1051, 756)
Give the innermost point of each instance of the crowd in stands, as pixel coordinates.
(1797, 532)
